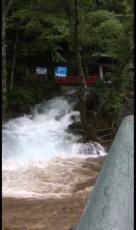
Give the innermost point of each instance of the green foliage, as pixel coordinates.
(45, 27)
(30, 92)
(40, 32)
(110, 104)
(110, 98)
(22, 96)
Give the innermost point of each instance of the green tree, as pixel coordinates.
(41, 30)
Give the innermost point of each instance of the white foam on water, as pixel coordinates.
(40, 157)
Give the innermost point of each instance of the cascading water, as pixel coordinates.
(40, 157)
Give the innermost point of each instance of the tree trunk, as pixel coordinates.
(72, 14)
(4, 72)
(5, 10)
(83, 110)
(14, 62)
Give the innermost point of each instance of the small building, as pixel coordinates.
(67, 74)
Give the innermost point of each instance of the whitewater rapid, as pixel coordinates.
(40, 158)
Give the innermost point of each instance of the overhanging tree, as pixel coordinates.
(87, 27)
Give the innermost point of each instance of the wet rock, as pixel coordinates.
(92, 148)
(73, 227)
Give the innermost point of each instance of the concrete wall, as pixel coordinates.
(110, 206)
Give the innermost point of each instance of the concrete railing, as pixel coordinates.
(110, 205)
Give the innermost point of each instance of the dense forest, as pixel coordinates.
(38, 32)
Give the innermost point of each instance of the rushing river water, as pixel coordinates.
(40, 157)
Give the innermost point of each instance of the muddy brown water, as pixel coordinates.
(51, 213)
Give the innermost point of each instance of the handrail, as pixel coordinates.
(110, 205)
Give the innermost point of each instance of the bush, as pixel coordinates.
(22, 96)
(109, 100)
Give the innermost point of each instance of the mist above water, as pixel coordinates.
(34, 147)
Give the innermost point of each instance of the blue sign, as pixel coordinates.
(41, 70)
(61, 71)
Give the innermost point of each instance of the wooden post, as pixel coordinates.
(101, 71)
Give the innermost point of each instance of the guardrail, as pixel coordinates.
(110, 205)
